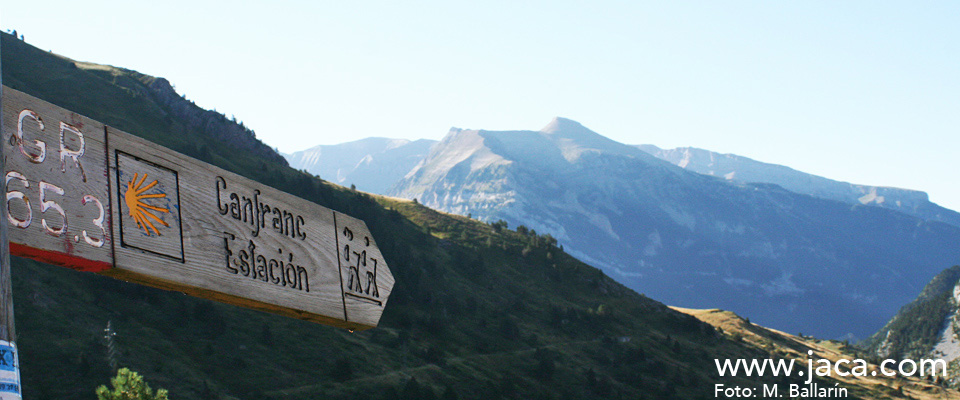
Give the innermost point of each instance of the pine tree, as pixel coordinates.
(129, 385)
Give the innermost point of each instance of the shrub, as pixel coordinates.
(129, 385)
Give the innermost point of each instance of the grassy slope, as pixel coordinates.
(475, 312)
(789, 346)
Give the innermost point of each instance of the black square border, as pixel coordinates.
(176, 177)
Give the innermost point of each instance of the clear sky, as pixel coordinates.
(866, 92)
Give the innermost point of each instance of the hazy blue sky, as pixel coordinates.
(867, 92)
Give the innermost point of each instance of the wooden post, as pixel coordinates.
(9, 361)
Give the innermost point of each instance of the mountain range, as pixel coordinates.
(477, 312)
(743, 169)
(793, 251)
(372, 164)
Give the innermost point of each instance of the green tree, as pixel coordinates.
(129, 385)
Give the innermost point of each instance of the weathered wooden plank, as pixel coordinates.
(366, 281)
(177, 223)
(55, 175)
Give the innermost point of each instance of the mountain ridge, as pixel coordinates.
(927, 327)
(488, 156)
(744, 169)
(689, 239)
(372, 164)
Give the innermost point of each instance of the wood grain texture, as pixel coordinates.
(56, 183)
(366, 281)
(177, 223)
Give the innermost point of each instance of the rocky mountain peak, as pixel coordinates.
(560, 124)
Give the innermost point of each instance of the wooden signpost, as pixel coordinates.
(9, 359)
(90, 197)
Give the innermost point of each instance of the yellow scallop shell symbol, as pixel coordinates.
(140, 211)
